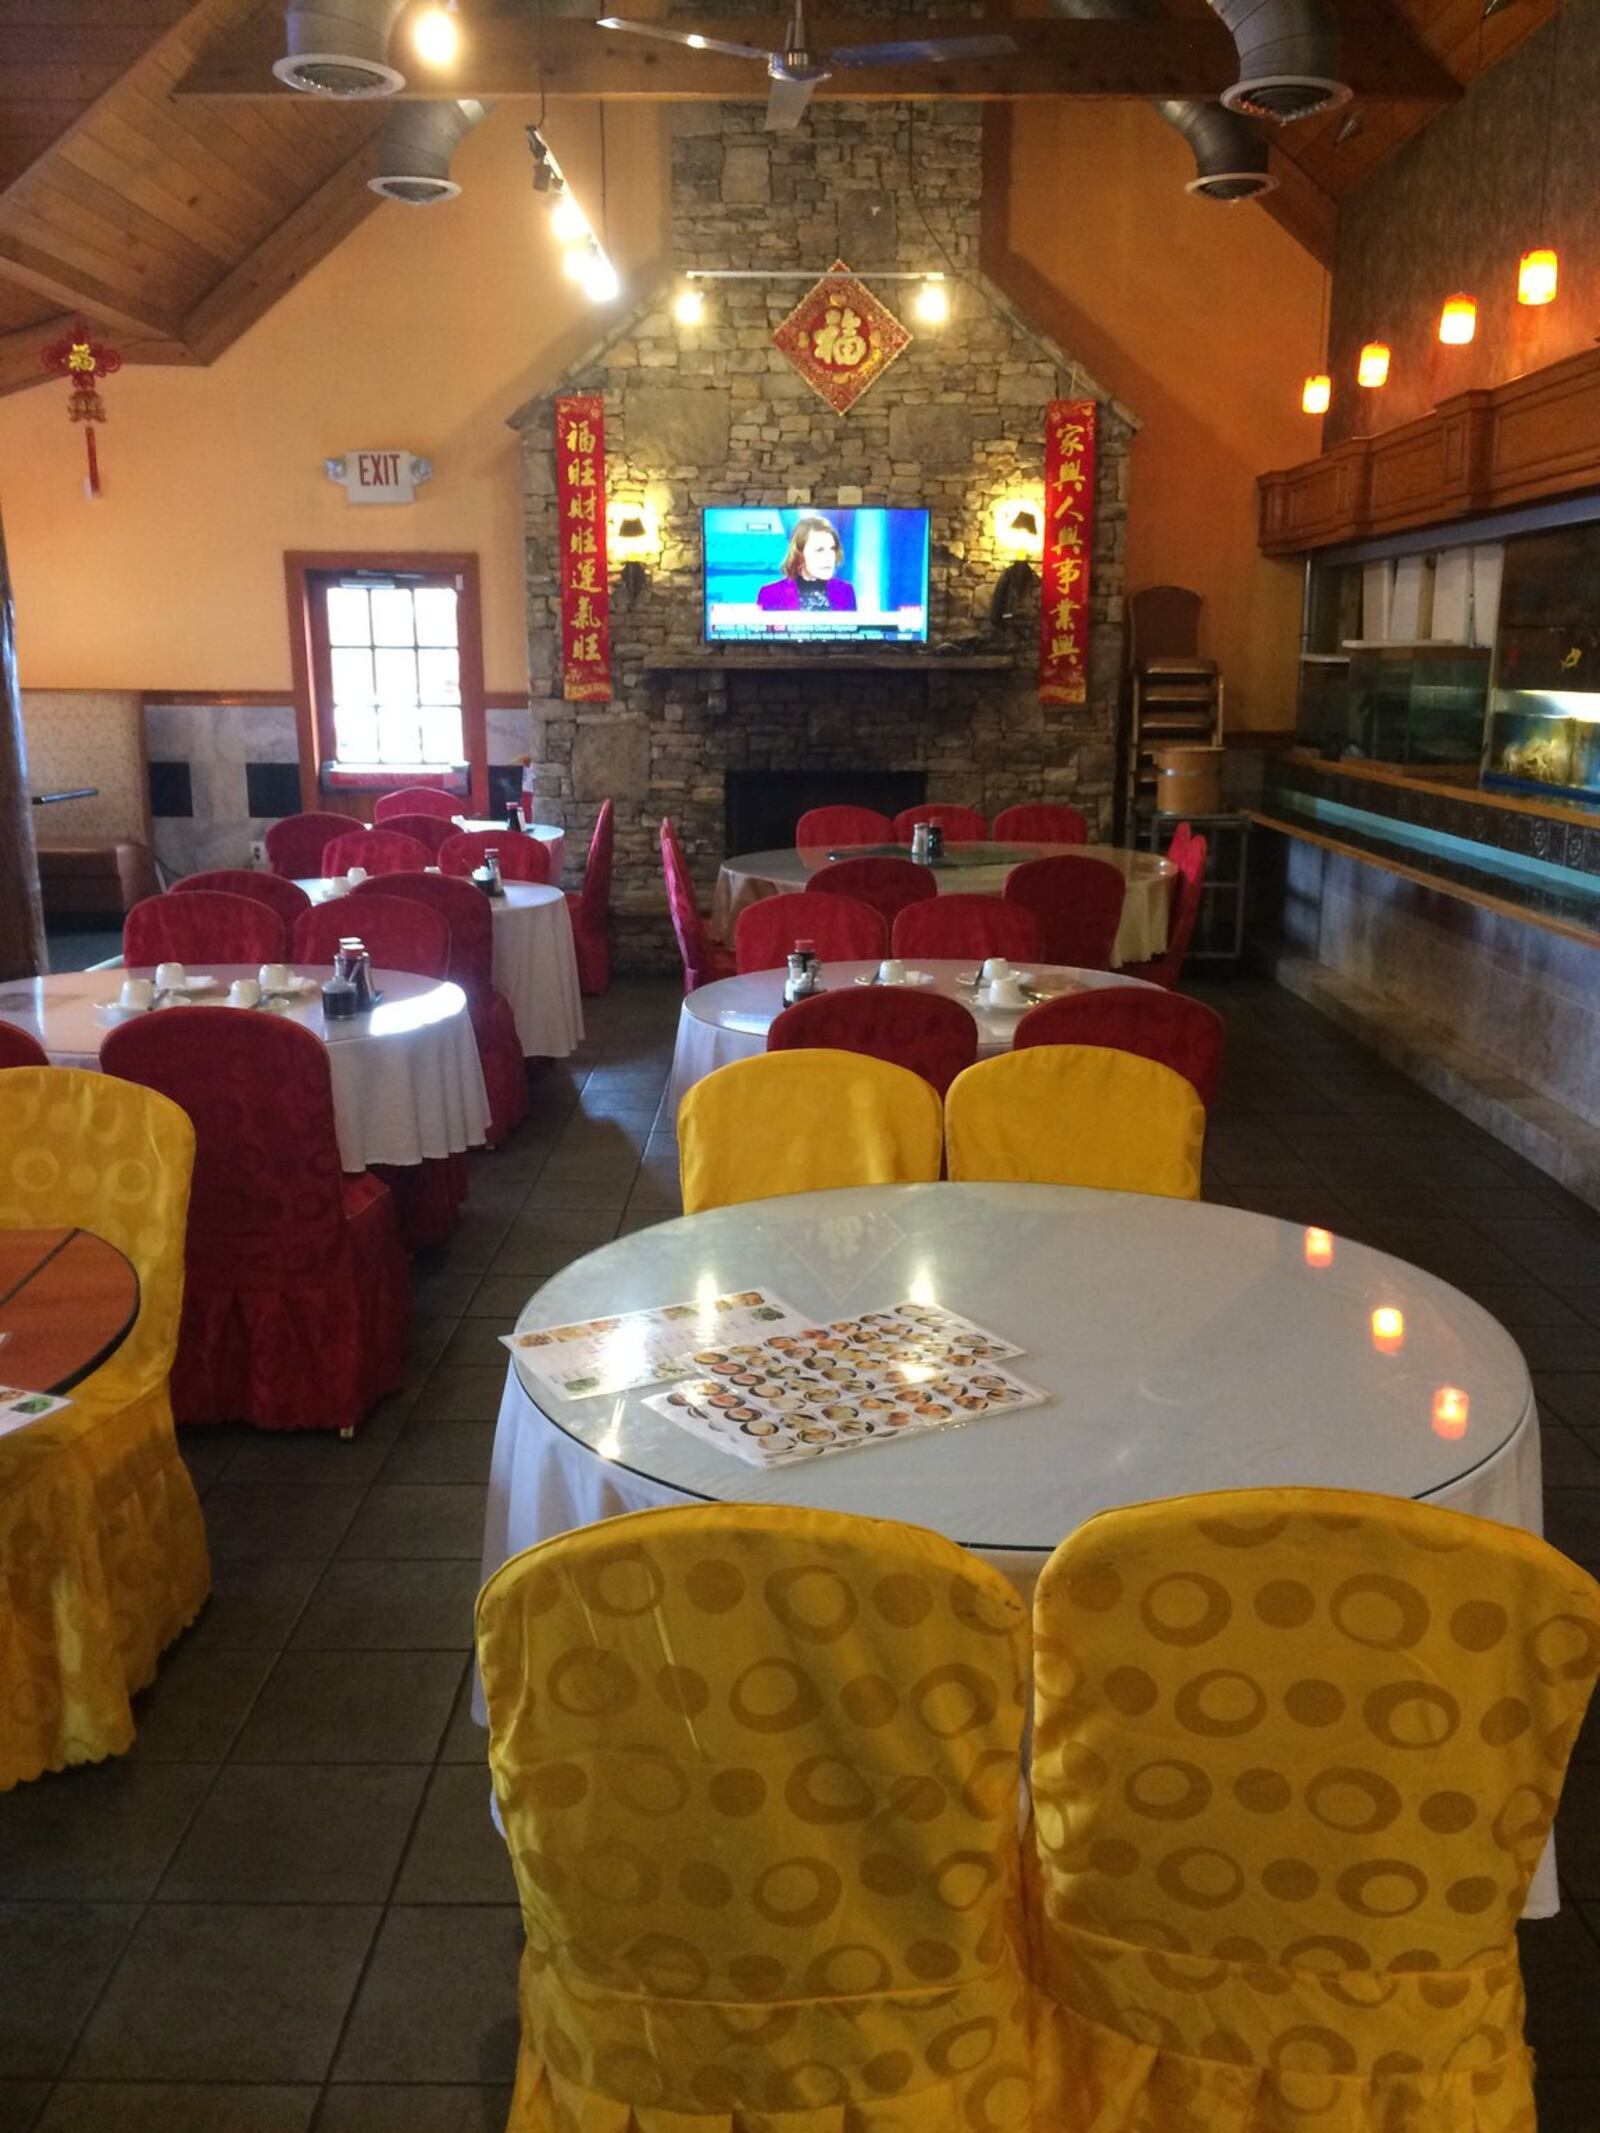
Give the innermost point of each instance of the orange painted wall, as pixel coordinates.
(1203, 319)
(425, 329)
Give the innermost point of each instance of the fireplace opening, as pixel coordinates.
(761, 807)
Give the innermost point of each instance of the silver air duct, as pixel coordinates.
(1230, 152)
(341, 48)
(415, 145)
(1288, 58)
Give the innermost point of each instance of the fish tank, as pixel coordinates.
(1417, 704)
(1543, 733)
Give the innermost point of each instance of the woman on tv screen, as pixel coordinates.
(810, 569)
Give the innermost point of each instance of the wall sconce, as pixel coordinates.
(1372, 370)
(1316, 393)
(632, 534)
(1019, 533)
(1458, 321)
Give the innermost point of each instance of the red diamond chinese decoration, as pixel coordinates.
(840, 338)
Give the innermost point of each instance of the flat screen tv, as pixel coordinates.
(797, 575)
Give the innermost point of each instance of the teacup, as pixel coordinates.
(995, 966)
(1005, 992)
(891, 971)
(244, 992)
(137, 995)
(170, 977)
(273, 977)
(356, 876)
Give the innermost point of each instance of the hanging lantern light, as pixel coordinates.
(1458, 321)
(1316, 393)
(1373, 368)
(1537, 274)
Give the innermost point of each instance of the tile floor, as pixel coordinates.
(286, 1912)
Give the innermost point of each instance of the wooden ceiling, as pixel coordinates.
(172, 221)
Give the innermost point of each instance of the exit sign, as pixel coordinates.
(379, 477)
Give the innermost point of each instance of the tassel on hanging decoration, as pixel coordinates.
(83, 363)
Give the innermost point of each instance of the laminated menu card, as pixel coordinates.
(601, 1355)
(18, 1407)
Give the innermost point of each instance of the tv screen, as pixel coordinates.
(852, 575)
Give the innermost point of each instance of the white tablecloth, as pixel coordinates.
(729, 1019)
(406, 1078)
(1142, 933)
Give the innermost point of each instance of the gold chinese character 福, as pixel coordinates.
(839, 338)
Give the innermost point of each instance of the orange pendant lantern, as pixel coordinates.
(1373, 368)
(1537, 274)
(1458, 321)
(1316, 393)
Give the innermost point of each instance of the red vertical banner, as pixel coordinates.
(1068, 538)
(585, 591)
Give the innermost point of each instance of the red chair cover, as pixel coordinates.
(204, 926)
(969, 927)
(1167, 968)
(961, 825)
(18, 1049)
(430, 831)
(418, 800)
(287, 898)
(297, 1294)
(828, 826)
(840, 929)
(398, 933)
(1168, 1027)
(887, 884)
(590, 907)
(1078, 903)
(932, 1035)
(1182, 838)
(379, 851)
(296, 844)
(1041, 822)
(465, 910)
(521, 858)
(703, 960)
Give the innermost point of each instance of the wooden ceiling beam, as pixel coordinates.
(564, 57)
(1301, 207)
(31, 268)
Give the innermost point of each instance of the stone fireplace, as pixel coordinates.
(714, 414)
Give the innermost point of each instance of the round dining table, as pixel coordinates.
(554, 839)
(1182, 1347)
(965, 870)
(407, 1082)
(68, 1300)
(729, 1019)
(535, 963)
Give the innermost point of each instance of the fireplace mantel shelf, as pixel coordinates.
(753, 658)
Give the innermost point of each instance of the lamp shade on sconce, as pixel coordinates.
(1316, 394)
(1537, 274)
(1373, 368)
(1018, 526)
(1458, 321)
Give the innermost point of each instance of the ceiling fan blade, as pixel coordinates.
(788, 99)
(691, 38)
(922, 51)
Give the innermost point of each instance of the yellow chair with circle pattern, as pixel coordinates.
(102, 1546)
(758, 1769)
(1076, 1114)
(805, 1121)
(1296, 1755)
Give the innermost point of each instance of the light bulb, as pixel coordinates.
(933, 303)
(576, 258)
(1373, 368)
(435, 36)
(568, 220)
(1458, 321)
(1537, 274)
(1316, 393)
(600, 280)
(689, 306)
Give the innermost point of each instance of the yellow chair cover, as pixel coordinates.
(102, 1545)
(803, 1121)
(1296, 1756)
(1076, 1114)
(759, 1773)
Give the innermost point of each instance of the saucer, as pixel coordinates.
(912, 977)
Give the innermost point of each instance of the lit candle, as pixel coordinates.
(1450, 1405)
(1388, 1330)
(1319, 1247)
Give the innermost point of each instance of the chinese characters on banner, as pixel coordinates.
(1068, 537)
(83, 363)
(585, 593)
(840, 338)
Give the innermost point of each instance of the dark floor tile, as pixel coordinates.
(465, 1741)
(1521, 1305)
(1452, 1250)
(1572, 1524)
(439, 1998)
(351, 1707)
(438, 1286)
(102, 1832)
(457, 1855)
(476, 1341)
(541, 1242)
(1562, 1348)
(294, 1833)
(21, 2103)
(1566, 2106)
(54, 1958)
(1570, 1460)
(382, 1606)
(414, 2110)
(1570, 1396)
(320, 1458)
(1561, 1967)
(433, 1452)
(1578, 1835)
(469, 1394)
(197, 1703)
(1552, 1249)
(223, 1992)
(415, 1524)
(166, 2107)
(265, 1519)
(501, 1297)
(208, 1453)
(254, 1603)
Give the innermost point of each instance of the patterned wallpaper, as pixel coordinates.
(88, 737)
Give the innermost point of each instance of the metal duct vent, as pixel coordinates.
(414, 150)
(1288, 58)
(341, 49)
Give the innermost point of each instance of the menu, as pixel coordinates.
(18, 1408)
(601, 1355)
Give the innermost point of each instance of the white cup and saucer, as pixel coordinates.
(137, 997)
(272, 978)
(1002, 986)
(355, 877)
(244, 992)
(892, 971)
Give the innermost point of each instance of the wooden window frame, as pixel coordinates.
(313, 706)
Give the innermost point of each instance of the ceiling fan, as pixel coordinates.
(796, 71)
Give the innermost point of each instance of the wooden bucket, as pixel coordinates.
(1189, 780)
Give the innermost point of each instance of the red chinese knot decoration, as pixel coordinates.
(83, 363)
(585, 593)
(840, 338)
(1068, 537)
